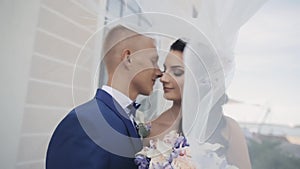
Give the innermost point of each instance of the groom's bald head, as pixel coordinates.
(119, 43)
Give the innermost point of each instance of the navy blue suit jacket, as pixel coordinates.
(95, 135)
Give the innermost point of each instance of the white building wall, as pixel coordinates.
(40, 46)
(18, 22)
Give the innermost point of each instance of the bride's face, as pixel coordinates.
(173, 76)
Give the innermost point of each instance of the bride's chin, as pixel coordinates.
(169, 97)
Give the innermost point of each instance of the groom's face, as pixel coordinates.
(144, 64)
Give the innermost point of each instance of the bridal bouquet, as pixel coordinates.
(174, 152)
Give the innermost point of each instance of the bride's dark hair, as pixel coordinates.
(178, 45)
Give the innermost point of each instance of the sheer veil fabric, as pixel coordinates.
(212, 32)
(211, 27)
(220, 22)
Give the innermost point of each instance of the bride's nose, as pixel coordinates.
(165, 77)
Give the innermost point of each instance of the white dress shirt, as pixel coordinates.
(121, 98)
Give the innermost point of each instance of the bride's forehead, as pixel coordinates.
(174, 57)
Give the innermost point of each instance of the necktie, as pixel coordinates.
(132, 111)
(133, 107)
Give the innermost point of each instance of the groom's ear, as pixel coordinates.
(125, 55)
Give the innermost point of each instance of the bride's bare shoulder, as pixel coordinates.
(232, 124)
(233, 130)
(237, 149)
(162, 117)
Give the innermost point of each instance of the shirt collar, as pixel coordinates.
(121, 98)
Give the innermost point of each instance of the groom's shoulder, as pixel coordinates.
(71, 118)
(92, 112)
(71, 124)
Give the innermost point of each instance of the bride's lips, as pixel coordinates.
(167, 89)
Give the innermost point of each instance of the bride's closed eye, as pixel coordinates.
(178, 72)
(175, 70)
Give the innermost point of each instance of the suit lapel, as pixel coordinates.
(108, 100)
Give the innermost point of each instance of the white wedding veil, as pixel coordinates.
(204, 84)
(210, 62)
(212, 31)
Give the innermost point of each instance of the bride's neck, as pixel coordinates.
(176, 105)
(176, 108)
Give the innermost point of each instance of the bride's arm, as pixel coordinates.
(237, 153)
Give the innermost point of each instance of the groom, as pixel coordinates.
(101, 133)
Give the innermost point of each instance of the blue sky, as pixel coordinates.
(268, 64)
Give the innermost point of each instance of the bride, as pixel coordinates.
(219, 128)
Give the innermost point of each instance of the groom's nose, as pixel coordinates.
(158, 73)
